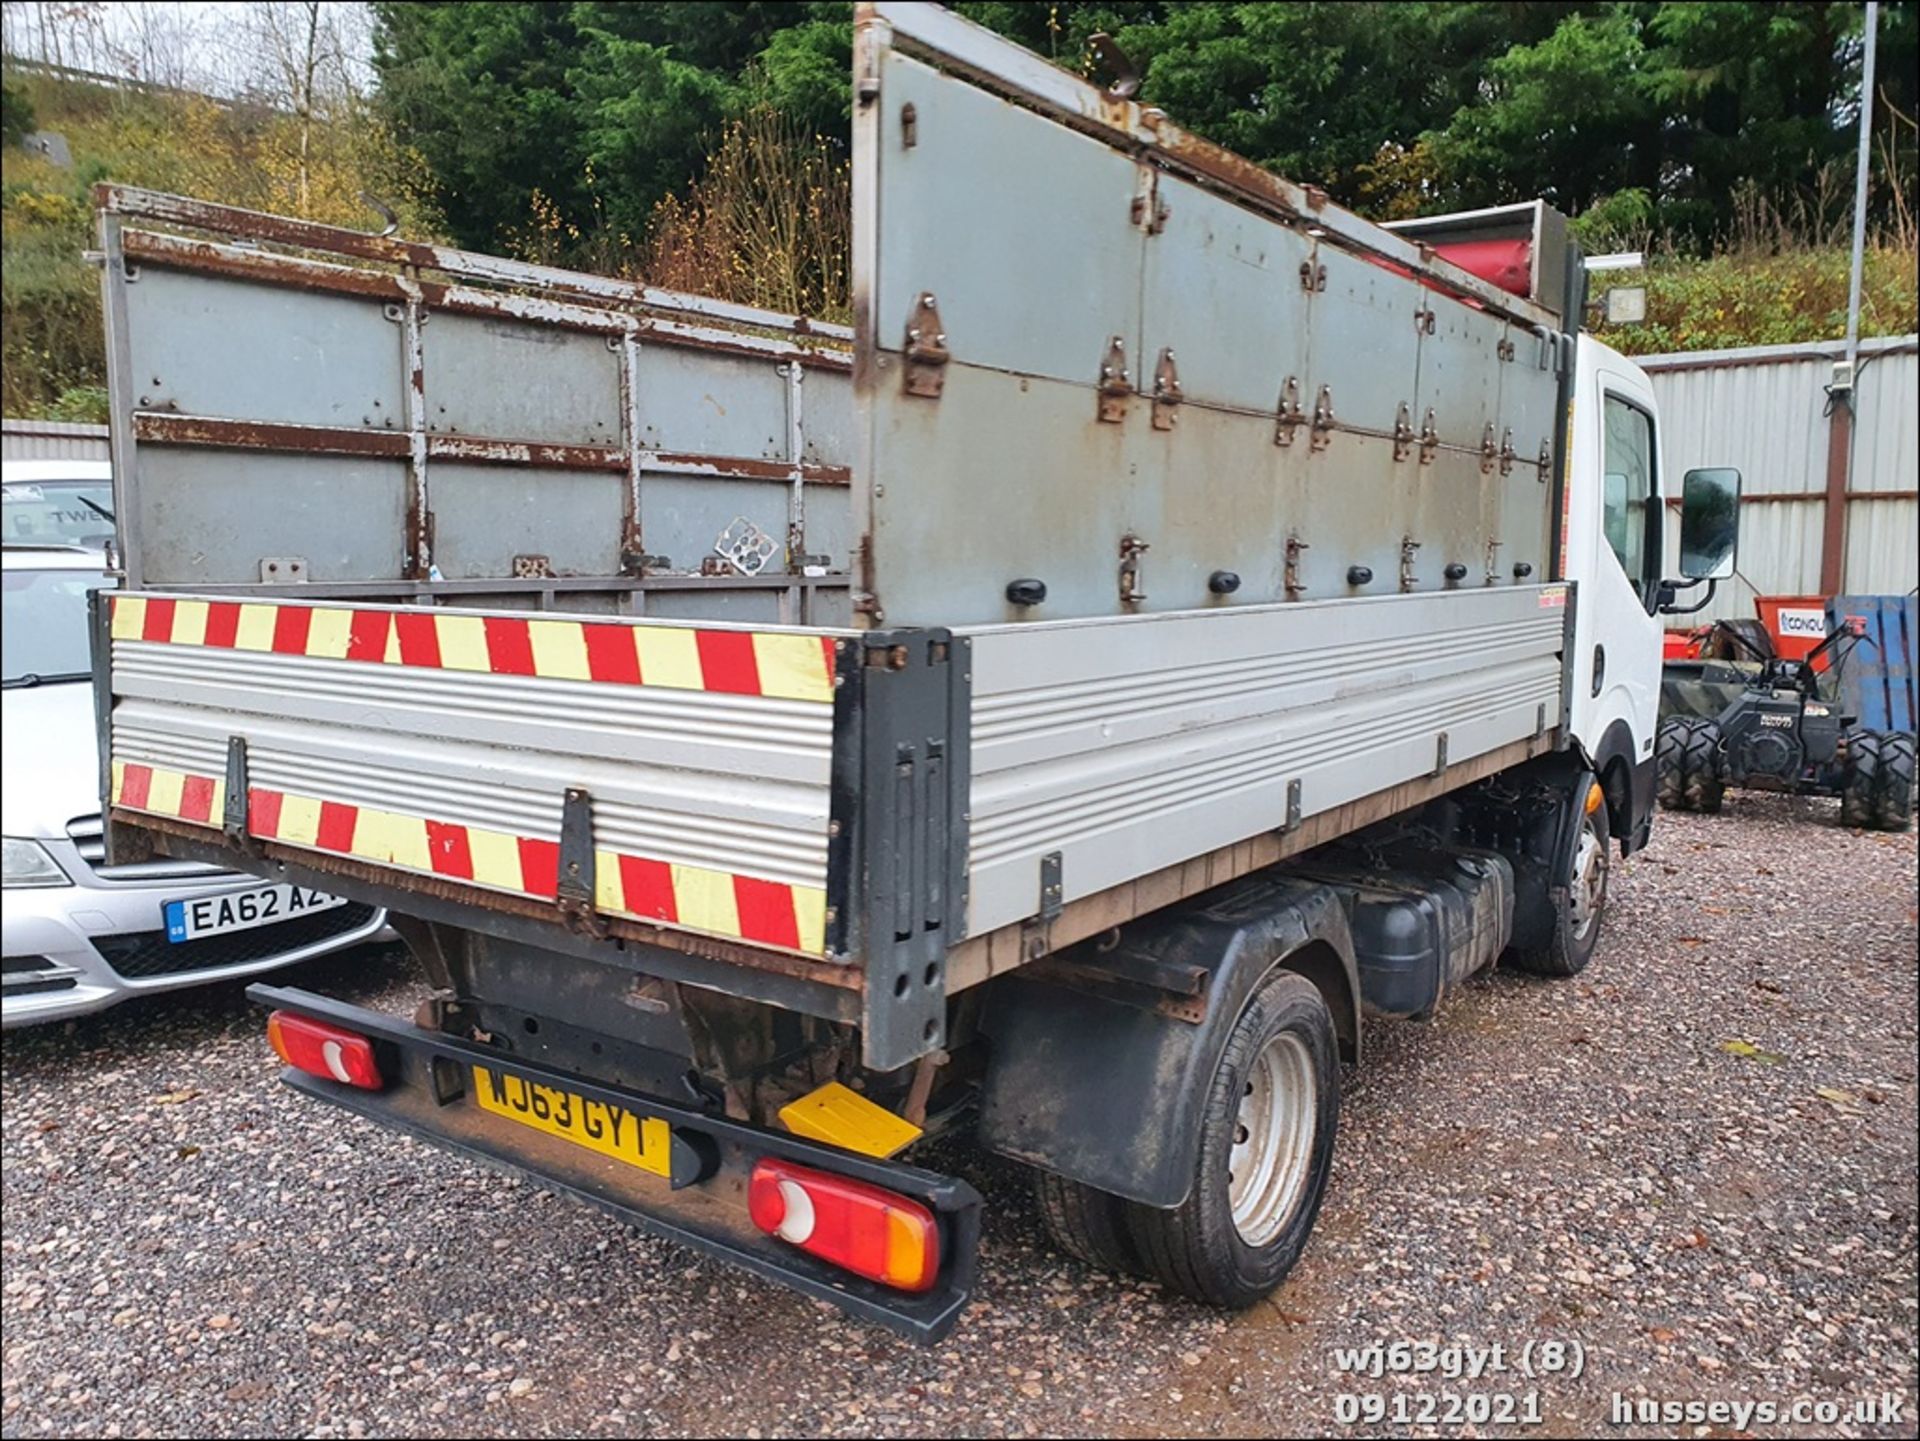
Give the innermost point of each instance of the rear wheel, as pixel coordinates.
(1266, 1141)
(1893, 810)
(1860, 796)
(1700, 764)
(1669, 756)
(1087, 1224)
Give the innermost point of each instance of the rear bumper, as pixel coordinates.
(428, 1096)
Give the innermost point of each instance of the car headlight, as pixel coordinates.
(28, 864)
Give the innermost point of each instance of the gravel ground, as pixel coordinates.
(1698, 1161)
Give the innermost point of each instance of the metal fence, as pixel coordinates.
(52, 440)
(1766, 410)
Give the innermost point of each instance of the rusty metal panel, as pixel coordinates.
(212, 517)
(505, 426)
(202, 345)
(490, 376)
(504, 520)
(701, 403)
(687, 515)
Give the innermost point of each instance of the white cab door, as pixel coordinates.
(1613, 536)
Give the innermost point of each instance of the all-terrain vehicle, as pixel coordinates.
(1786, 731)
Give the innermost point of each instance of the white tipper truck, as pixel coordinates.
(1176, 617)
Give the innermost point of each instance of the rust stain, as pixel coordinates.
(260, 435)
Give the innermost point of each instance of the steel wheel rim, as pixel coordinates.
(1589, 889)
(1273, 1140)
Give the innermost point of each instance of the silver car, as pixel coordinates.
(79, 934)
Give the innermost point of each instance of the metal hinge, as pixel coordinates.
(909, 126)
(1116, 382)
(233, 816)
(1505, 348)
(1133, 588)
(1295, 589)
(1403, 436)
(1546, 462)
(1323, 418)
(1148, 210)
(1290, 415)
(1036, 933)
(926, 348)
(1429, 437)
(1166, 392)
(1313, 277)
(1423, 320)
(574, 892)
(1488, 451)
(1506, 451)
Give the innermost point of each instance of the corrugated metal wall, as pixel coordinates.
(1763, 411)
(52, 440)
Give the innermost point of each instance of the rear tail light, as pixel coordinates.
(325, 1051)
(864, 1229)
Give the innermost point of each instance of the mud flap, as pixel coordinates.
(1100, 1061)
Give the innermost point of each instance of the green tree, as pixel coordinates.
(16, 115)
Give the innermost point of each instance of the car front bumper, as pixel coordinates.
(57, 939)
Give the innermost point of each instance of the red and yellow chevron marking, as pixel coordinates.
(786, 667)
(746, 908)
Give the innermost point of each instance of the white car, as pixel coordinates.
(80, 935)
(56, 502)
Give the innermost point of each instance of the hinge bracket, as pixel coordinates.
(1166, 392)
(1290, 415)
(1323, 418)
(926, 348)
(1116, 382)
(574, 893)
(233, 815)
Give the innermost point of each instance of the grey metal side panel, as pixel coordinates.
(208, 517)
(486, 515)
(284, 392)
(202, 345)
(1129, 745)
(493, 376)
(1060, 245)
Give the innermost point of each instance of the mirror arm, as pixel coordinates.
(1700, 604)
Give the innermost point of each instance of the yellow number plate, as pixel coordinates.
(643, 1141)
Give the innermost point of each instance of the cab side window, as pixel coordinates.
(1630, 499)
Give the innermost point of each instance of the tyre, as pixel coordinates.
(1703, 787)
(1669, 755)
(1860, 796)
(1087, 1224)
(1579, 896)
(1266, 1140)
(1893, 809)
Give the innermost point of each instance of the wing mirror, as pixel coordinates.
(1709, 534)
